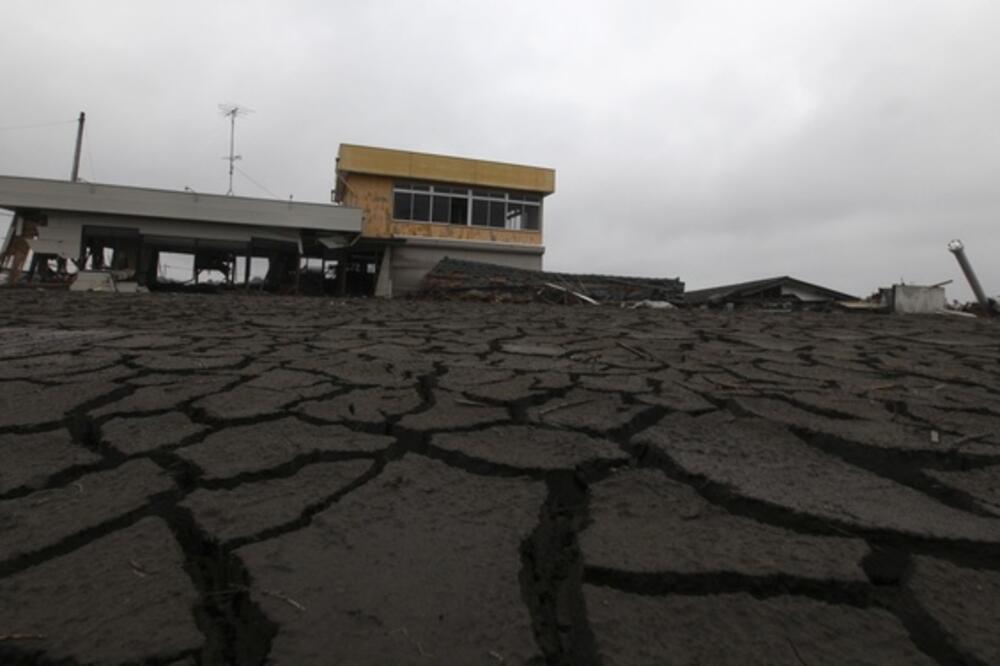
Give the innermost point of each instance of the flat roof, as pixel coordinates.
(443, 168)
(18, 192)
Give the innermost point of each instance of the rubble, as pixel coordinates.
(121, 281)
(905, 298)
(472, 280)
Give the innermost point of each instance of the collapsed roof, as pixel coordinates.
(783, 288)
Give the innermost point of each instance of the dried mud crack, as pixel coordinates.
(235, 629)
(264, 480)
(552, 574)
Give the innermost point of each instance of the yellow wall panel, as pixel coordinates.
(373, 195)
(466, 233)
(355, 159)
(443, 168)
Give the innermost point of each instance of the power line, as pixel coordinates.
(247, 176)
(9, 128)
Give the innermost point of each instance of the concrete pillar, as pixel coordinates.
(383, 280)
(246, 267)
(342, 260)
(145, 273)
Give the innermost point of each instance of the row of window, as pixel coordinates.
(421, 202)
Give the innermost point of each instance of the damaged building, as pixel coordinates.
(395, 215)
(783, 291)
(419, 208)
(125, 229)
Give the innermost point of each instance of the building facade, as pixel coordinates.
(419, 208)
(113, 227)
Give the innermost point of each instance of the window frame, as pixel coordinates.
(490, 197)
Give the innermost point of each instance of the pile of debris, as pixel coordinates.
(930, 299)
(472, 280)
(908, 299)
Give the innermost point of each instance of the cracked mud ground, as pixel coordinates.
(210, 480)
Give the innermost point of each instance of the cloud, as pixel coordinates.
(841, 142)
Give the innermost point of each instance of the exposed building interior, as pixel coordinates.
(67, 227)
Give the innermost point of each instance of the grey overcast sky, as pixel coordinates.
(842, 142)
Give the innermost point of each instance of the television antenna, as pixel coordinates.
(231, 111)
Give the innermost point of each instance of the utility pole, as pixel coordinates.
(75, 175)
(231, 111)
(232, 146)
(958, 249)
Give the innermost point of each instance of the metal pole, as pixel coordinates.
(75, 175)
(958, 249)
(232, 149)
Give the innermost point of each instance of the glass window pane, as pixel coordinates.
(440, 209)
(459, 210)
(480, 210)
(422, 207)
(422, 188)
(402, 206)
(497, 214)
(533, 217)
(515, 215)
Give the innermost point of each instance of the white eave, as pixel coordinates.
(42, 194)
